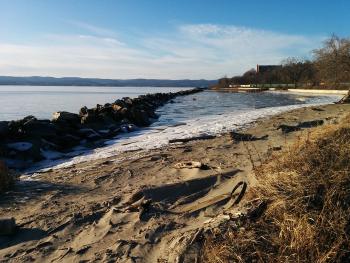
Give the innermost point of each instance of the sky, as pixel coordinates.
(168, 39)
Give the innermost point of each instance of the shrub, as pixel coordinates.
(307, 219)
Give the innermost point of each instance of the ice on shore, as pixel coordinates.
(161, 132)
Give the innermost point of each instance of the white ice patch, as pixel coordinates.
(152, 138)
(158, 135)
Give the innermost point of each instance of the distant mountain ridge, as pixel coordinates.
(76, 81)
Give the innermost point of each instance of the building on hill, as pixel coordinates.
(265, 68)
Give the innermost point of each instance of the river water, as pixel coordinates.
(41, 101)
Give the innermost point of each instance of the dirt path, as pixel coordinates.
(142, 209)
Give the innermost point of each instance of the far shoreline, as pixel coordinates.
(297, 90)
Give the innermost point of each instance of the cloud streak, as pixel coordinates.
(190, 51)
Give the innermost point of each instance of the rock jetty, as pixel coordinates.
(29, 140)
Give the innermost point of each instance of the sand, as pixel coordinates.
(143, 206)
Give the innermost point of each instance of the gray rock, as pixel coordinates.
(64, 116)
(6, 178)
(20, 146)
(4, 128)
(37, 128)
(66, 141)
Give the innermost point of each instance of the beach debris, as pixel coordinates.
(191, 165)
(288, 128)
(7, 226)
(202, 137)
(310, 124)
(236, 136)
(144, 208)
(257, 211)
(345, 99)
(83, 250)
(237, 197)
(302, 125)
(231, 199)
(276, 148)
(317, 109)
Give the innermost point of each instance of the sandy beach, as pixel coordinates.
(144, 206)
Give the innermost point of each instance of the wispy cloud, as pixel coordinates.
(100, 31)
(190, 51)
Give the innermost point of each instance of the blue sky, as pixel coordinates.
(160, 39)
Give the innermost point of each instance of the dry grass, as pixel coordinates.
(307, 219)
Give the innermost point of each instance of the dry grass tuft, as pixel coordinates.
(307, 219)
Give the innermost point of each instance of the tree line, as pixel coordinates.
(328, 68)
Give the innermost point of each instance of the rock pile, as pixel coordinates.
(30, 140)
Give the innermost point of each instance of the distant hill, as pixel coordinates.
(74, 81)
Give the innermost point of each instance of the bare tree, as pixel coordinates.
(297, 70)
(333, 60)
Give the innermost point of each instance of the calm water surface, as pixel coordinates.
(41, 101)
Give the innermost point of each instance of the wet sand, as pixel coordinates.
(142, 206)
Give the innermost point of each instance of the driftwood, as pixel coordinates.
(246, 137)
(345, 99)
(203, 137)
(302, 125)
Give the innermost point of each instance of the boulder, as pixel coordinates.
(123, 111)
(132, 127)
(66, 141)
(83, 111)
(6, 178)
(15, 129)
(107, 109)
(116, 107)
(35, 128)
(89, 134)
(4, 128)
(29, 150)
(89, 118)
(28, 119)
(106, 117)
(20, 146)
(128, 101)
(124, 128)
(139, 117)
(64, 116)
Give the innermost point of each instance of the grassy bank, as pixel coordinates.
(303, 200)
